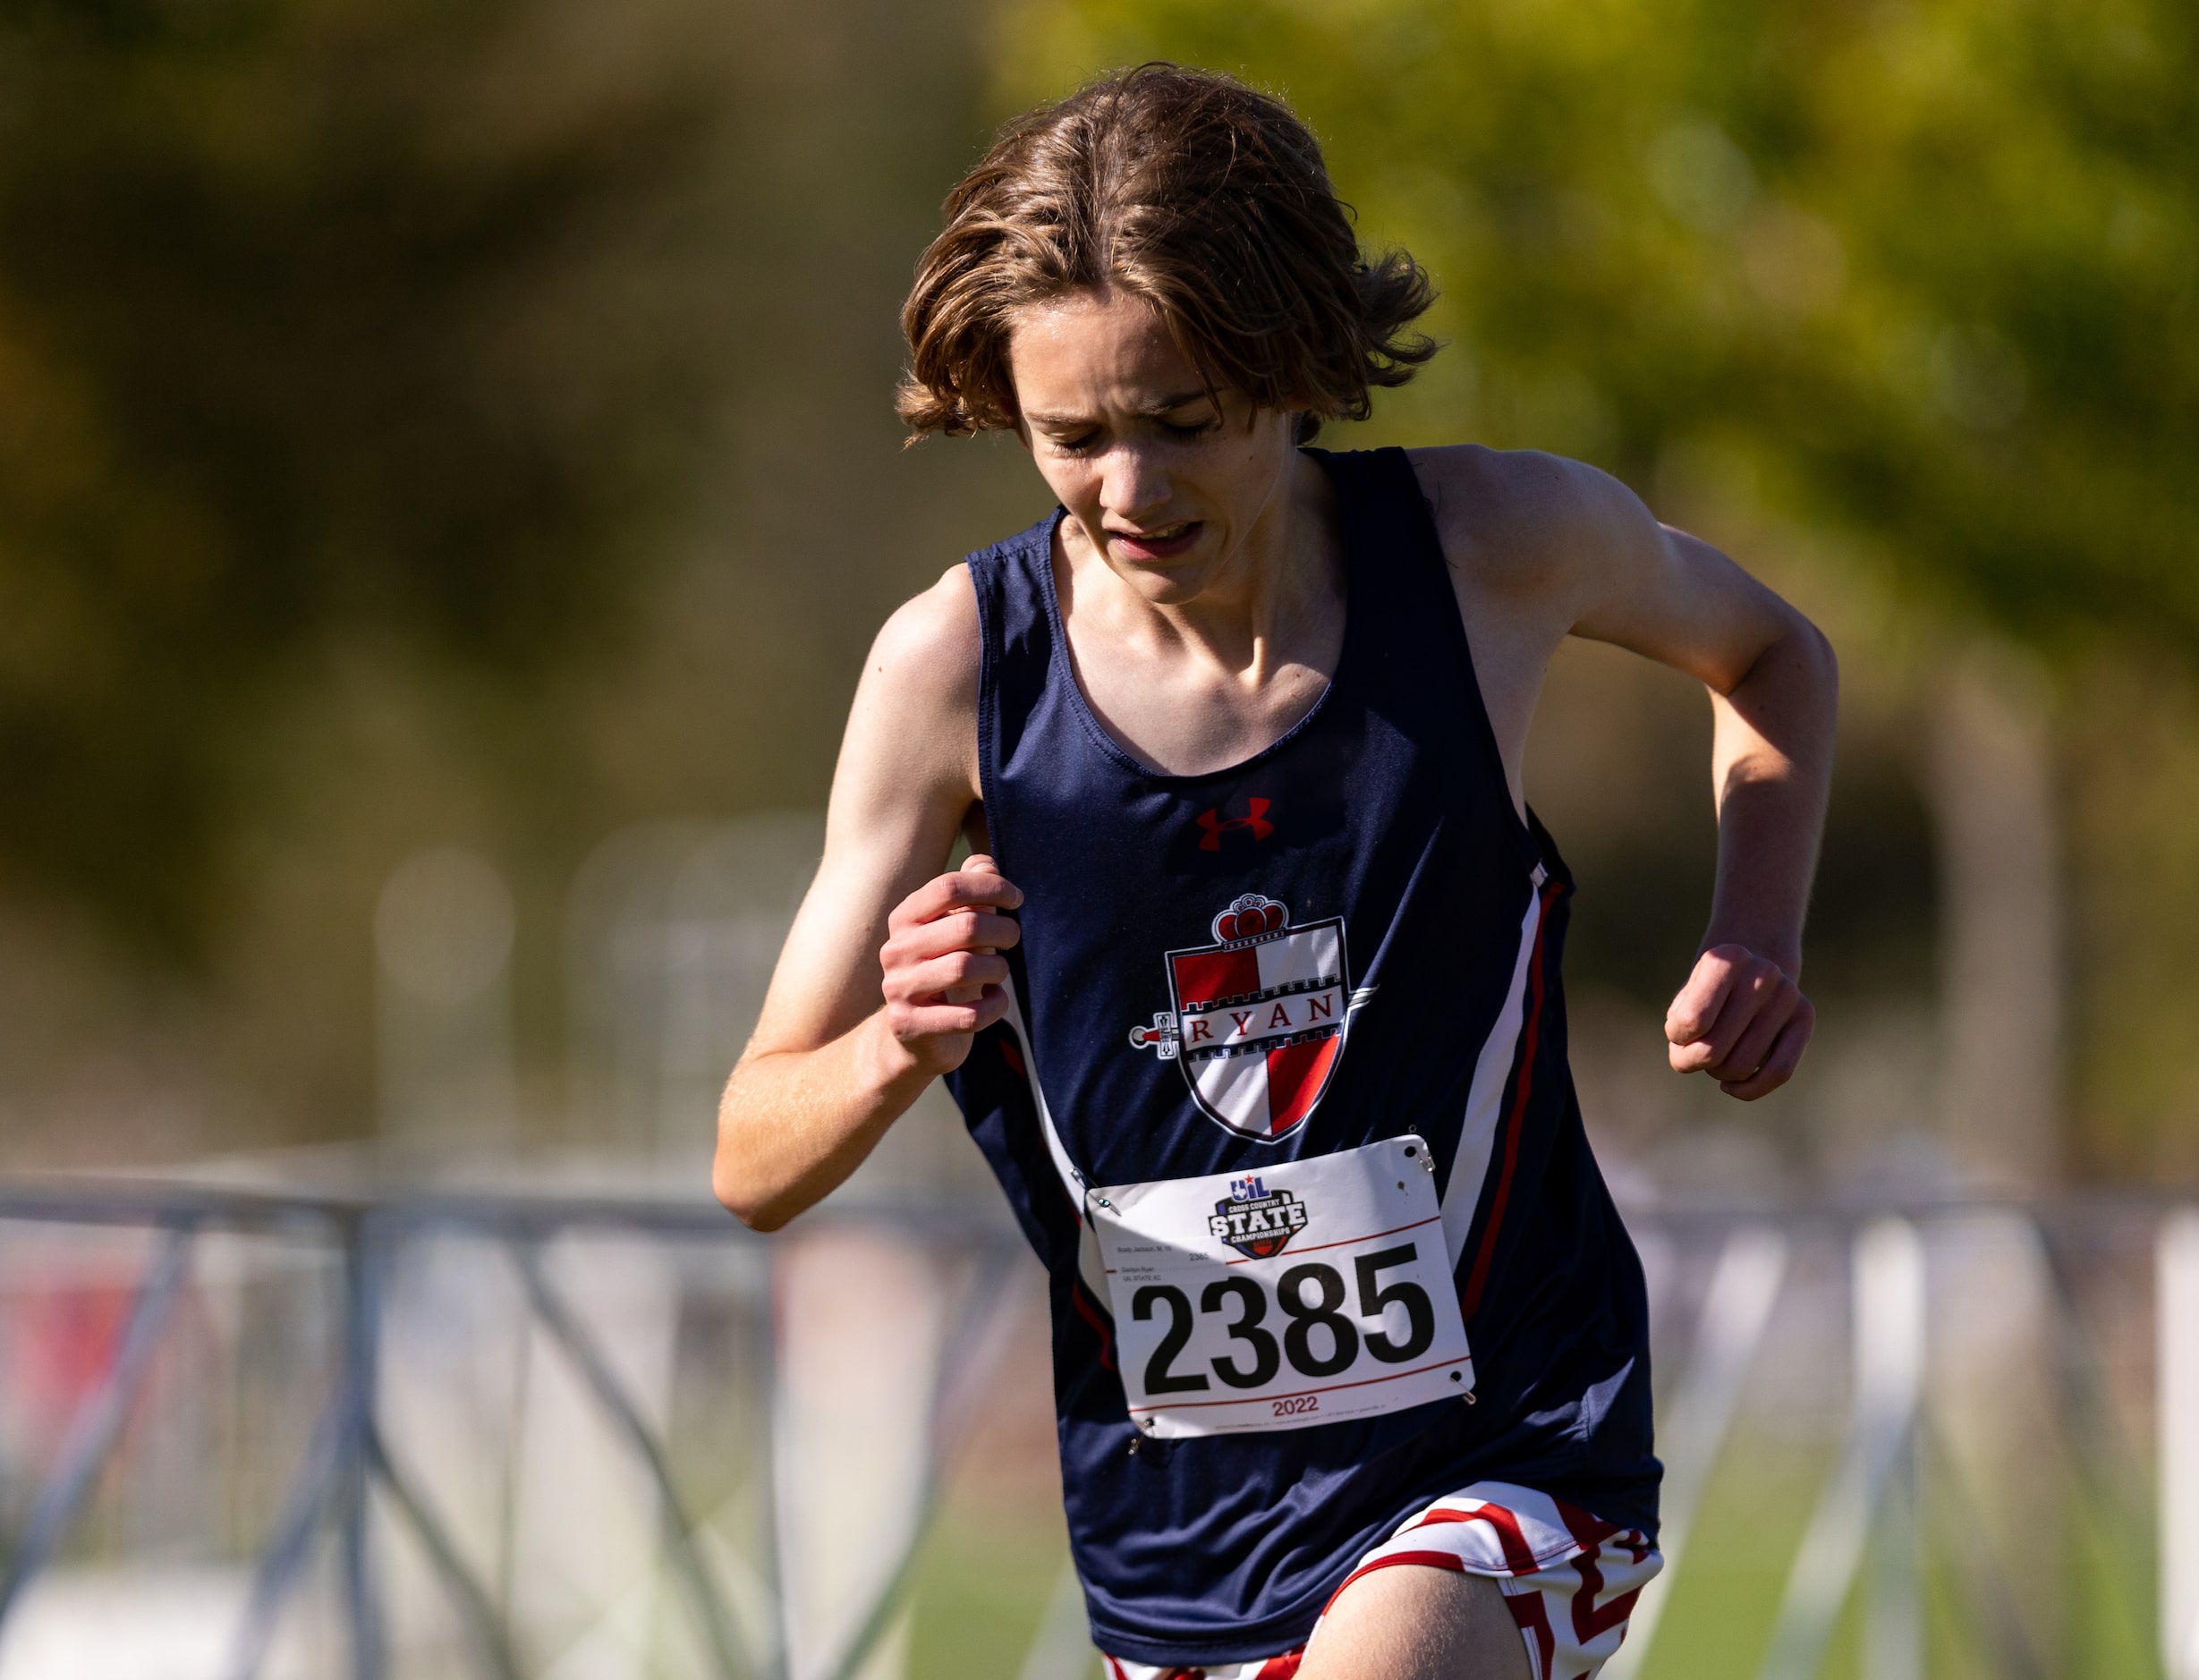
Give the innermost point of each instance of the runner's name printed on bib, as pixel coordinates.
(1305, 1292)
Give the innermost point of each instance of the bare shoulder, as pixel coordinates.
(1523, 521)
(907, 775)
(919, 693)
(911, 746)
(931, 645)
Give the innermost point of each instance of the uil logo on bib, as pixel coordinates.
(1259, 1018)
(1256, 1223)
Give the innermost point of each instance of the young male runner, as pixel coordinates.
(1250, 992)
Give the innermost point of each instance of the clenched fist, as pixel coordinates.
(1742, 1020)
(945, 978)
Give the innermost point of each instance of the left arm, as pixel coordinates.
(1742, 1017)
(1543, 547)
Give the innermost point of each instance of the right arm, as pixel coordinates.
(891, 966)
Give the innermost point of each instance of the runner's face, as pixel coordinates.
(1169, 487)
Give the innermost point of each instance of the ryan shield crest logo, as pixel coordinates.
(1259, 1018)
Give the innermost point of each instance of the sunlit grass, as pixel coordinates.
(980, 1590)
(1727, 1594)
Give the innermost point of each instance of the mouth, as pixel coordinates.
(1163, 543)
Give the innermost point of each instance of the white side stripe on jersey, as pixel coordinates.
(1477, 1136)
(1089, 1265)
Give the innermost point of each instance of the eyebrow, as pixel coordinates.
(1149, 410)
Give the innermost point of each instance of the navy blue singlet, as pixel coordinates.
(1386, 806)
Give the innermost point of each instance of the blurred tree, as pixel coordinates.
(1919, 274)
(294, 333)
(1928, 270)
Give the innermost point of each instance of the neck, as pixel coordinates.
(1258, 603)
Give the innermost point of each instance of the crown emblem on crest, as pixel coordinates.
(1249, 917)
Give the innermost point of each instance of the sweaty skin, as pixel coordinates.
(1200, 580)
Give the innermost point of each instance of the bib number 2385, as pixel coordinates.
(1309, 1292)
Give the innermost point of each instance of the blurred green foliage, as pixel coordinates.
(1899, 298)
(1923, 270)
(470, 422)
(295, 333)
(466, 423)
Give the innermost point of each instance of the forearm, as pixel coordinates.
(1772, 770)
(792, 1124)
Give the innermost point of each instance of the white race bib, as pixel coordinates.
(1310, 1291)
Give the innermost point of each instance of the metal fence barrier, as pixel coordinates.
(348, 1453)
(1997, 1377)
(2003, 1363)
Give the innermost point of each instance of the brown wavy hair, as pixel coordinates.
(1187, 187)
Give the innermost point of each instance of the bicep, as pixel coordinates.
(905, 781)
(1660, 592)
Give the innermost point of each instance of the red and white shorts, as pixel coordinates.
(1570, 1579)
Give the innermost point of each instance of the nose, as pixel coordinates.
(1134, 485)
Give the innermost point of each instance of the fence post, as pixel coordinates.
(1889, 1383)
(2178, 1309)
(355, 1554)
(1893, 1607)
(1737, 1310)
(1890, 1376)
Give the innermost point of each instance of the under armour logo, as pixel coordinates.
(1216, 825)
